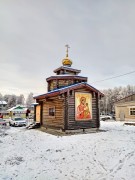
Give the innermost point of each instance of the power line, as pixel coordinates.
(114, 77)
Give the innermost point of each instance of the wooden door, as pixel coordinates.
(38, 113)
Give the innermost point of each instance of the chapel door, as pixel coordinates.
(38, 113)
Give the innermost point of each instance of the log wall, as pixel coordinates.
(65, 112)
(56, 121)
(70, 112)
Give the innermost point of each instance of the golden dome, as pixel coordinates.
(66, 62)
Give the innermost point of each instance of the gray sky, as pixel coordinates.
(33, 33)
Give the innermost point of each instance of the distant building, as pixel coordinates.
(17, 110)
(125, 109)
(70, 103)
(3, 105)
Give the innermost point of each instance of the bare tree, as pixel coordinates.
(113, 95)
(20, 99)
(1, 97)
(29, 100)
(12, 101)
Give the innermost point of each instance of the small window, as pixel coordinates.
(132, 111)
(70, 92)
(52, 111)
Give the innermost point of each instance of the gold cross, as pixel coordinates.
(67, 46)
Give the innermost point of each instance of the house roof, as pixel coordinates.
(3, 102)
(126, 98)
(17, 108)
(67, 68)
(67, 88)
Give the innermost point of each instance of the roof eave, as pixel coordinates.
(43, 96)
(66, 77)
(68, 88)
(71, 69)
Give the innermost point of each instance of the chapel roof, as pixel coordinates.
(67, 76)
(59, 91)
(67, 68)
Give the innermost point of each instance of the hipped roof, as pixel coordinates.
(68, 88)
(65, 77)
(67, 68)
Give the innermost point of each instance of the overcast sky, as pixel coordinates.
(33, 34)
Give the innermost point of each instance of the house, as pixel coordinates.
(18, 110)
(3, 105)
(125, 108)
(70, 103)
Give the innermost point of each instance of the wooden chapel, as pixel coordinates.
(70, 103)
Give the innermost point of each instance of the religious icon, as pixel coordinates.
(83, 106)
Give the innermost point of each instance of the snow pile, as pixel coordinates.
(32, 154)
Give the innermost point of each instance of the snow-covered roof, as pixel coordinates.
(3, 102)
(64, 76)
(64, 89)
(34, 104)
(126, 98)
(67, 68)
(17, 108)
(57, 75)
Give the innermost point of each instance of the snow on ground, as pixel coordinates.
(32, 154)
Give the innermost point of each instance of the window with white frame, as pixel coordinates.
(132, 111)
